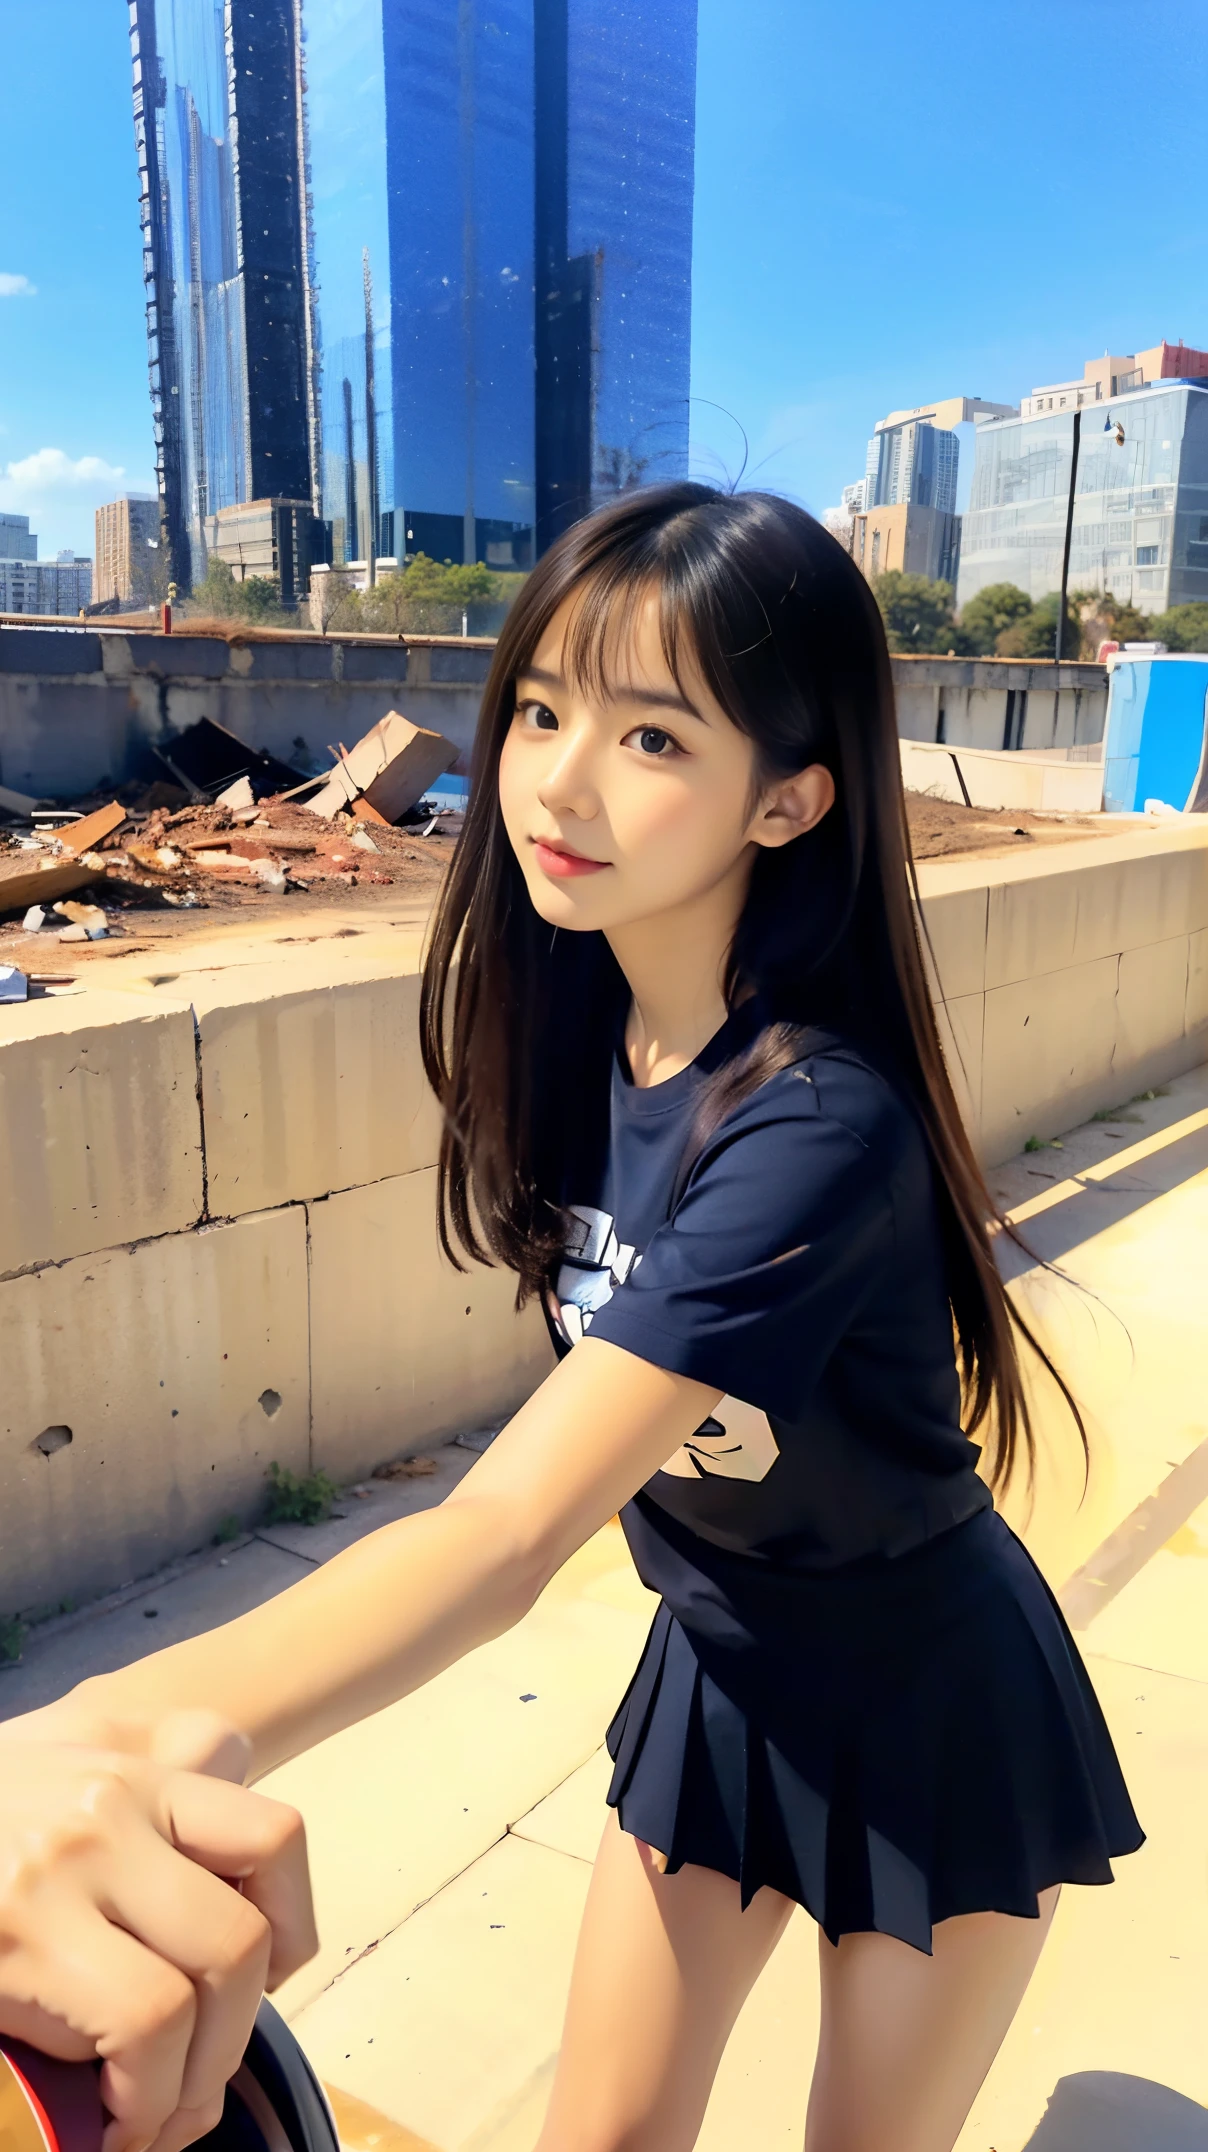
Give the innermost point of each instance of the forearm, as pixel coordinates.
(368, 1627)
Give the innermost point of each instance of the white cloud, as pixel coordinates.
(15, 287)
(59, 492)
(49, 470)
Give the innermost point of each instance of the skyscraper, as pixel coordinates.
(425, 264)
(502, 206)
(220, 134)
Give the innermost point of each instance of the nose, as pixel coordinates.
(567, 784)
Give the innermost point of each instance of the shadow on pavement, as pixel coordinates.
(1105, 2111)
(1093, 1205)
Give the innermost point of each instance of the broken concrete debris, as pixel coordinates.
(92, 829)
(390, 768)
(216, 836)
(86, 922)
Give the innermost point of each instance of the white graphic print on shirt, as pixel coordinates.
(736, 1441)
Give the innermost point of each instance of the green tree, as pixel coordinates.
(1034, 635)
(988, 614)
(1184, 627)
(257, 598)
(917, 612)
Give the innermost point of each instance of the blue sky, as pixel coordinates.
(895, 200)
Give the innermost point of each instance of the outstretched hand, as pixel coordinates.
(147, 1900)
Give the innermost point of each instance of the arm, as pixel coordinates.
(385, 1616)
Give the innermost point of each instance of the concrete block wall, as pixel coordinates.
(1070, 979)
(217, 1230)
(218, 1248)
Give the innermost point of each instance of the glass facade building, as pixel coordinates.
(516, 178)
(424, 265)
(1140, 524)
(220, 134)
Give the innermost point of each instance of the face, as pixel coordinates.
(639, 803)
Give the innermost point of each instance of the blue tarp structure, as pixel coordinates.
(1156, 747)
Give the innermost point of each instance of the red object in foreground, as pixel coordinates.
(166, 617)
(274, 2102)
(48, 2106)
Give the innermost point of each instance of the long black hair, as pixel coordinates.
(517, 1022)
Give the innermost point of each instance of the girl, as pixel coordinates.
(676, 1012)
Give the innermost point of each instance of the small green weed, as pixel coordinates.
(298, 1501)
(229, 1529)
(12, 1638)
(1036, 1143)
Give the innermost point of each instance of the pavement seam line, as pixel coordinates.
(1144, 1533)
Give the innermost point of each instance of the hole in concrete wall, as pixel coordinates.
(270, 1404)
(52, 1439)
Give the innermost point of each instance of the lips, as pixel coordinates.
(562, 863)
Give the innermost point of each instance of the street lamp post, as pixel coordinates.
(1069, 532)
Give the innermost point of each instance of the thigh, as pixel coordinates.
(906, 2039)
(662, 1968)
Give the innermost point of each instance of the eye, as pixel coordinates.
(653, 742)
(537, 716)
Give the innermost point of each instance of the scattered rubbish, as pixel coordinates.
(207, 759)
(406, 1468)
(167, 855)
(89, 917)
(187, 899)
(237, 795)
(75, 934)
(391, 767)
(92, 829)
(35, 919)
(54, 818)
(270, 872)
(17, 804)
(361, 841)
(14, 986)
(430, 826)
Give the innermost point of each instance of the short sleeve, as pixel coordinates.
(784, 1230)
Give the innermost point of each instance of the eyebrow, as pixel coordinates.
(652, 698)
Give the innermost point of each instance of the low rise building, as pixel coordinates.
(29, 585)
(272, 538)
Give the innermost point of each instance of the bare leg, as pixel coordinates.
(663, 1966)
(906, 2040)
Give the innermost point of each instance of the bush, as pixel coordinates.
(429, 597)
(1184, 627)
(258, 598)
(917, 612)
(298, 1501)
(1034, 635)
(988, 614)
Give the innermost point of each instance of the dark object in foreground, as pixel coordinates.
(206, 758)
(274, 2103)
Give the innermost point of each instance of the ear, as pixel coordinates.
(793, 806)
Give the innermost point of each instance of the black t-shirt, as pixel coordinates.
(799, 1271)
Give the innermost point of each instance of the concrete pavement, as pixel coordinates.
(452, 1835)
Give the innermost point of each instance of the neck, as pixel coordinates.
(675, 965)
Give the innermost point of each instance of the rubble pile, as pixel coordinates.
(179, 845)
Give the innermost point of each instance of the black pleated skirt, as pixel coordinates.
(889, 1747)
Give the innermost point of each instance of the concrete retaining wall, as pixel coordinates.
(1000, 702)
(81, 707)
(1047, 779)
(217, 1241)
(218, 1248)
